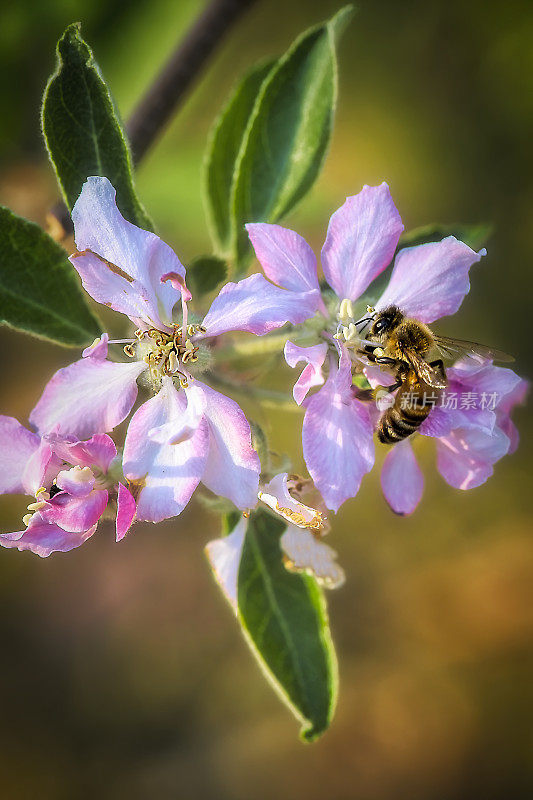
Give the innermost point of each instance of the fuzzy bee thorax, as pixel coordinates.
(409, 335)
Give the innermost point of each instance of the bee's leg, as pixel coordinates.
(390, 362)
(368, 352)
(394, 386)
(376, 391)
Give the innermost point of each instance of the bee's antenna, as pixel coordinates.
(365, 320)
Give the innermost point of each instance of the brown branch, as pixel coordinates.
(182, 69)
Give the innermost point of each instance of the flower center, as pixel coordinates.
(347, 328)
(166, 353)
(41, 498)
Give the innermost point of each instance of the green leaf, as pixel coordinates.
(40, 292)
(205, 273)
(285, 622)
(474, 235)
(222, 151)
(288, 133)
(82, 131)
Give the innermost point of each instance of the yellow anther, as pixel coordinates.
(129, 351)
(191, 330)
(26, 519)
(315, 523)
(345, 314)
(42, 490)
(139, 334)
(36, 506)
(172, 361)
(201, 329)
(370, 310)
(349, 332)
(85, 472)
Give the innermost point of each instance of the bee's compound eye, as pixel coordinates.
(380, 325)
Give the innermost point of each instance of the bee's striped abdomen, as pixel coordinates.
(404, 418)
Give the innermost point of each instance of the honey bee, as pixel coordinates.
(402, 346)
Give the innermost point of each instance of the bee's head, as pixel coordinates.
(385, 322)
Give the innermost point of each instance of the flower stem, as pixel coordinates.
(266, 397)
(258, 346)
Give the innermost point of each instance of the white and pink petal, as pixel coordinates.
(76, 514)
(98, 349)
(311, 374)
(77, 481)
(126, 511)
(141, 256)
(87, 397)
(44, 538)
(466, 457)
(402, 480)
(361, 241)
(17, 446)
(257, 306)
(337, 438)
(164, 470)
(233, 467)
(224, 556)
(431, 280)
(275, 494)
(285, 256)
(41, 469)
(98, 451)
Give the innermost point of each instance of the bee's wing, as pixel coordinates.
(454, 348)
(433, 377)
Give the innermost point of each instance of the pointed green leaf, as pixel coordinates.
(40, 292)
(205, 273)
(285, 622)
(82, 131)
(474, 235)
(222, 151)
(288, 133)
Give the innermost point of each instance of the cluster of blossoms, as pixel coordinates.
(187, 433)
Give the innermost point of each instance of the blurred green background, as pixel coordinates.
(122, 671)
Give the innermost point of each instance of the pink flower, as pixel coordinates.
(472, 428)
(301, 542)
(185, 434)
(70, 482)
(427, 282)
